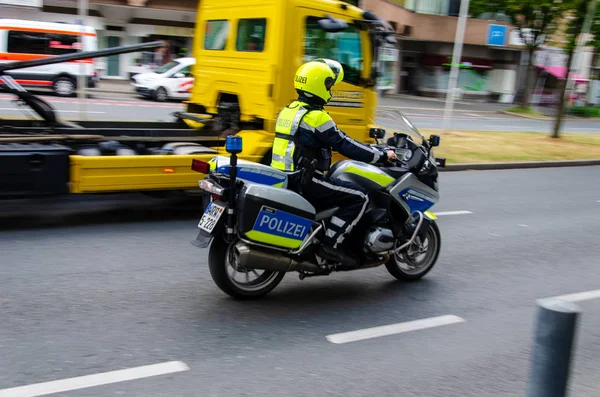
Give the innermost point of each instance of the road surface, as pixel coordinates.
(422, 113)
(92, 299)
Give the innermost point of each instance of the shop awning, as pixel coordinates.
(561, 71)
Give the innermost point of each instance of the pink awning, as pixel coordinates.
(561, 71)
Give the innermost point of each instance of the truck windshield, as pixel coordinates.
(344, 47)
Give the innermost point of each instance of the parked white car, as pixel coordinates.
(171, 81)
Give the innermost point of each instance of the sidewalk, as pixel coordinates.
(113, 87)
(396, 100)
(412, 102)
(399, 101)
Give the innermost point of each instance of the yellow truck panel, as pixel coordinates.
(94, 174)
(133, 173)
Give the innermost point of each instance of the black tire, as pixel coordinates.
(395, 270)
(64, 86)
(217, 264)
(161, 94)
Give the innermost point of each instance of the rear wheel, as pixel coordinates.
(418, 259)
(238, 282)
(64, 86)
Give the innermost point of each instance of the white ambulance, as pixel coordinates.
(22, 40)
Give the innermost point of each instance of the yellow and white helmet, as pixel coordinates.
(317, 77)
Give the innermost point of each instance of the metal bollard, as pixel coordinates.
(551, 355)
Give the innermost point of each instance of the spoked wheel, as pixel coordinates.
(236, 281)
(418, 259)
(161, 94)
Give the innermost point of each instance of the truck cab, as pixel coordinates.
(247, 52)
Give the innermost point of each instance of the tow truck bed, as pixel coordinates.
(49, 156)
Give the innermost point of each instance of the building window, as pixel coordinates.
(251, 34)
(344, 47)
(42, 43)
(216, 34)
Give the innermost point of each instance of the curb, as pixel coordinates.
(526, 116)
(107, 91)
(427, 99)
(519, 165)
(565, 118)
(401, 108)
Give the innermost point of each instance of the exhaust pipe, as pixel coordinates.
(256, 258)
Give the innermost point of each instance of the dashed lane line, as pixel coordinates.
(579, 296)
(105, 378)
(393, 329)
(448, 213)
(57, 110)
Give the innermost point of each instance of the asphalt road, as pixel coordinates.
(423, 114)
(83, 300)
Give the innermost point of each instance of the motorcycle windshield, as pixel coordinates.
(405, 126)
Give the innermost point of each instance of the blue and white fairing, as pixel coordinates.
(412, 194)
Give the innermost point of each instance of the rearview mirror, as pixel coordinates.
(434, 140)
(377, 133)
(333, 25)
(179, 75)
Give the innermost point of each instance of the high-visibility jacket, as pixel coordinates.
(305, 131)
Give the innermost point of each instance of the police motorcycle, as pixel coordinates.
(259, 227)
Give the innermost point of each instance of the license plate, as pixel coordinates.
(211, 216)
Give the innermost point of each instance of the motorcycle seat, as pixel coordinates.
(326, 214)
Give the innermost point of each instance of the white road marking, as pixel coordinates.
(57, 110)
(392, 329)
(445, 213)
(474, 115)
(579, 296)
(83, 382)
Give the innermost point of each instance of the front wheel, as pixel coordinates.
(418, 259)
(238, 282)
(161, 94)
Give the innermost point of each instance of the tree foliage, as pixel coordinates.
(572, 33)
(535, 20)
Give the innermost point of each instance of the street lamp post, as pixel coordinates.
(81, 81)
(456, 55)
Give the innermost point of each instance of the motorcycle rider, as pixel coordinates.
(304, 130)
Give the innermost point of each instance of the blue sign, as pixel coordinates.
(497, 35)
(282, 224)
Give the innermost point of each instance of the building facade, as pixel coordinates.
(493, 62)
(120, 22)
(491, 56)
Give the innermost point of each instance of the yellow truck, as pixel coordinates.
(247, 52)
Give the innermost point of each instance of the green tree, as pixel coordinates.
(572, 34)
(535, 21)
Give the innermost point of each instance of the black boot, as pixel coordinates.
(336, 255)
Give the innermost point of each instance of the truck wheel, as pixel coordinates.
(161, 95)
(64, 86)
